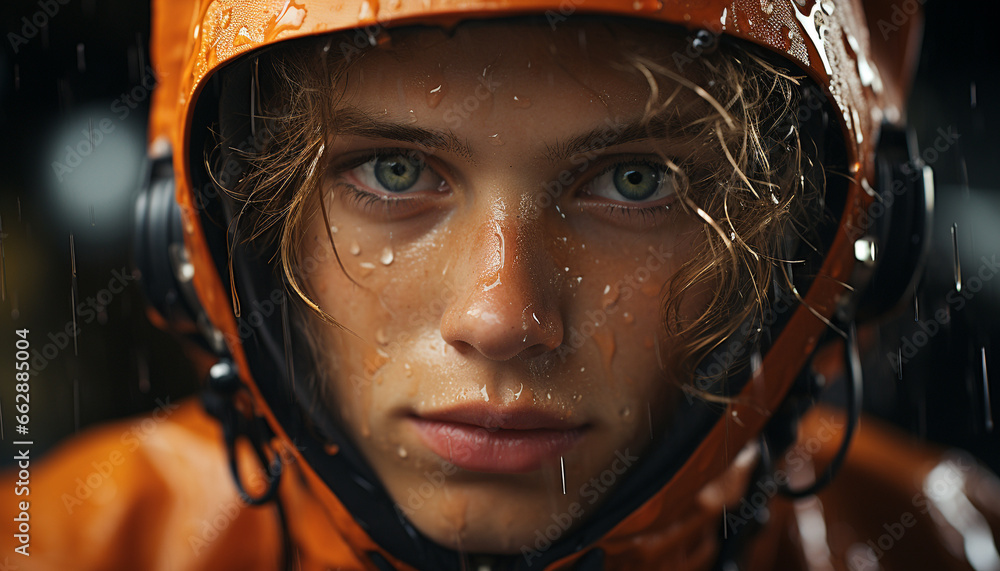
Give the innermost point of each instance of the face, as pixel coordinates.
(506, 227)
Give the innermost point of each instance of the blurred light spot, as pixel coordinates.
(945, 486)
(92, 170)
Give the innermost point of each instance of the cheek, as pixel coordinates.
(389, 298)
(619, 310)
(380, 280)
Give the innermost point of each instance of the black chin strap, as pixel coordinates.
(853, 388)
(218, 398)
(778, 436)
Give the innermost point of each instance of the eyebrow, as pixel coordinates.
(612, 134)
(353, 121)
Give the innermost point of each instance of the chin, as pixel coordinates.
(486, 522)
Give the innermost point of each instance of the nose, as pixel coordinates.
(508, 302)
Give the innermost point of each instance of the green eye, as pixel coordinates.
(398, 173)
(637, 181)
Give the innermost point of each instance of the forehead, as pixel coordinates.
(523, 77)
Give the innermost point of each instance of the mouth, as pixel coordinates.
(490, 439)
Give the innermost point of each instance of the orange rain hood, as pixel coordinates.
(864, 75)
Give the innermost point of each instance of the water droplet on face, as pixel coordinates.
(435, 95)
(577, 398)
(387, 256)
(486, 395)
(548, 396)
(380, 337)
(407, 370)
(366, 268)
(610, 296)
(625, 412)
(495, 140)
(355, 248)
(333, 229)
(522, 102)
(402, 452)
(628, 317)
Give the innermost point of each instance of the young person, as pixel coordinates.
(517, 285)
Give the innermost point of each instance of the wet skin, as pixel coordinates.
(507, 324)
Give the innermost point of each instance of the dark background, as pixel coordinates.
(68, 80)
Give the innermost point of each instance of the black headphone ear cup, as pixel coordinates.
(157, 226)
(897, 238)
(159, 255)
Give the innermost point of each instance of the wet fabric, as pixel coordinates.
(155, 493)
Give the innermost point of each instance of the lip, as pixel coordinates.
(488, 439)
